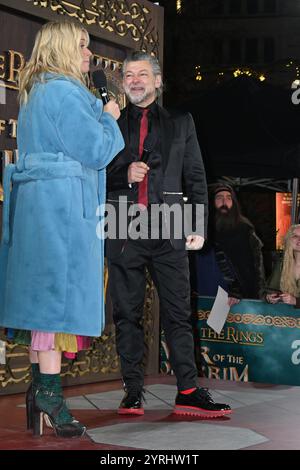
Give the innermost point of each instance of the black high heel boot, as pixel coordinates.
(29, 407)
(35, 376)
(53, 406)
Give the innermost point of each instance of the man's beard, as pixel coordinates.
(137, 98)
(225, 219)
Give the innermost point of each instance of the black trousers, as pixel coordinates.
(170, 273)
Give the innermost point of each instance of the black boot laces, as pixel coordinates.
(205, 394)
(136, 391)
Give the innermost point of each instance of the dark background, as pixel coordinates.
(232, 64)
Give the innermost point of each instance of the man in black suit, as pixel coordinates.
(161, 160)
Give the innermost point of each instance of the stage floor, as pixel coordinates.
(264, 417)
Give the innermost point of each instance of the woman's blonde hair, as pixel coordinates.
(288, 281)
(56, 50)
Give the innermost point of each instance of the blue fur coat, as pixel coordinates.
(51, 259)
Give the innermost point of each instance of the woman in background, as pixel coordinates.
(51, 260)
(285, 278)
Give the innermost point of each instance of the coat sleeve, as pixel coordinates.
(117, 170)
(194, 173)
(117, 176)
(93, 143)
(256, 245)
(228, 273)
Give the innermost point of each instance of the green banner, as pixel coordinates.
(259, 342)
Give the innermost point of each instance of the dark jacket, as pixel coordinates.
(210, 268)
(182, 166)
(234, 262)
(243, 249)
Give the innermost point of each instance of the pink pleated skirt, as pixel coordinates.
(67, 343)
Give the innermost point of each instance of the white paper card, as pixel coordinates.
(2, 352)
(219, 311)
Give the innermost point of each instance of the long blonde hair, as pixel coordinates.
(56, 50)
(288, 281)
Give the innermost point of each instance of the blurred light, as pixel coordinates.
(239, 72)
(262, 78)
(198, 73)
(295, 84)
(178, 6)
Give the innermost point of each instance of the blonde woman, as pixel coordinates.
(285, 278)
(51, 260)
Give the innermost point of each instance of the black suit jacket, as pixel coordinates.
(183, 169)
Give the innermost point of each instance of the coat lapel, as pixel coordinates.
(123, 124)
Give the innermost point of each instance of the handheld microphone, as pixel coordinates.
(149, 144)
(100, 83)
(145, 156)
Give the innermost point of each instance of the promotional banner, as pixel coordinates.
(283, 217)
(259, 342)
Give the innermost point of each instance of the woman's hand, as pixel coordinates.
(288, 299)
(273, 298)
(112, 108)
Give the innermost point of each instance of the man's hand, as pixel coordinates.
(273, 298)
(194, 242)
(112, 108)
(137, 172)
(233, 301)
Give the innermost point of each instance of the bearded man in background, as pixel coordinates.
(232, 256)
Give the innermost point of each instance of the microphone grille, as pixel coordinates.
(99, 79)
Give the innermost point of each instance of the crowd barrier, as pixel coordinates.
(259, 342)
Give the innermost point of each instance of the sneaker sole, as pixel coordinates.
(131, 411)
(200, 412)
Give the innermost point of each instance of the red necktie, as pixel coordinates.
(143, 186)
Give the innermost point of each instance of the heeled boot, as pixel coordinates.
(35, 378)
(49, 401)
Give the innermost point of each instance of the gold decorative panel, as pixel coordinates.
(120, 17)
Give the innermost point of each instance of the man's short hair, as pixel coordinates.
(136, 56)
